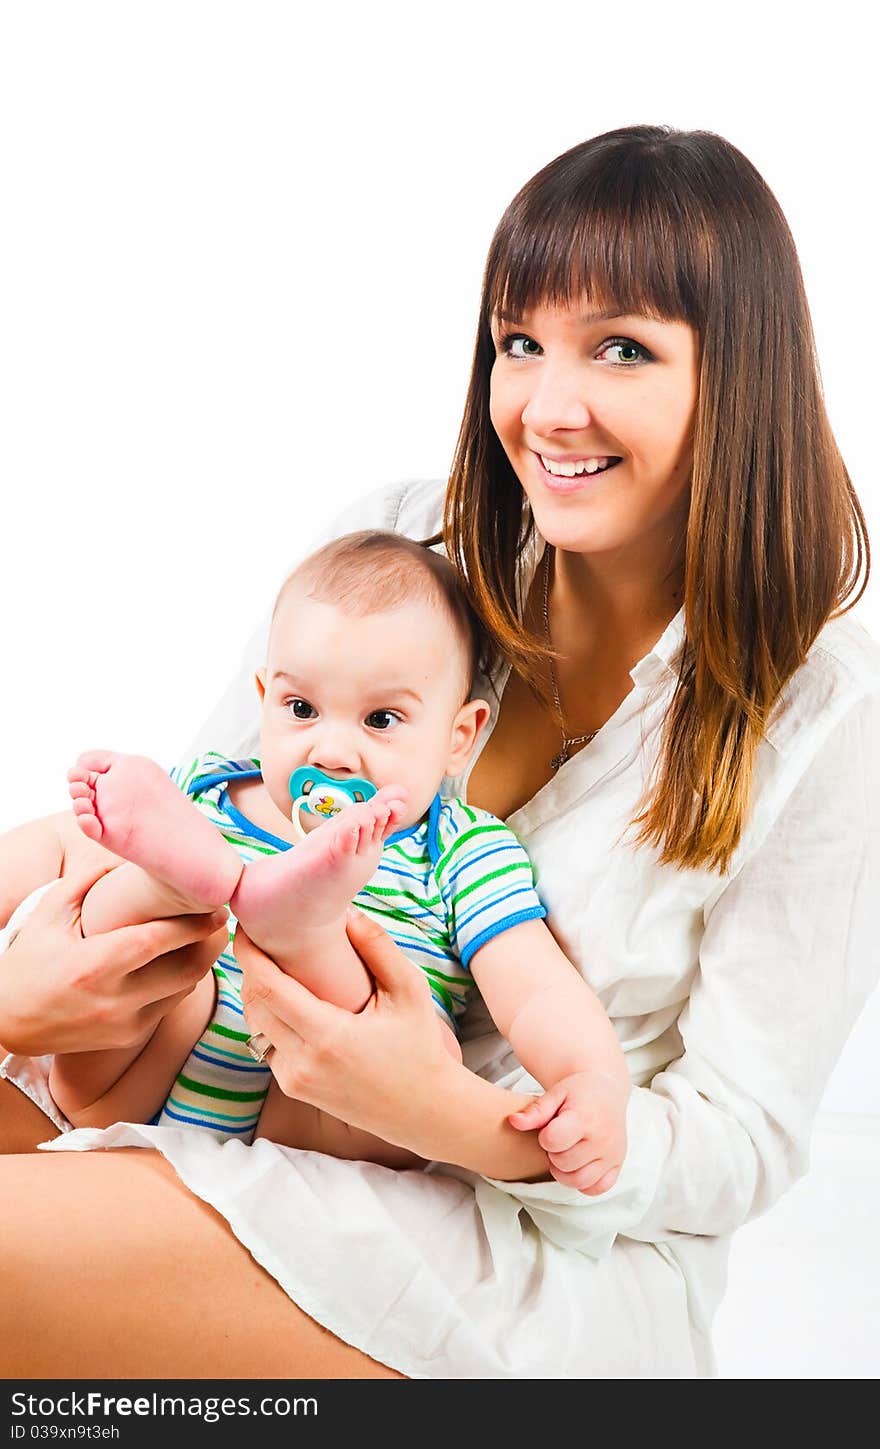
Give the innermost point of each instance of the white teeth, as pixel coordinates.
(573, 470)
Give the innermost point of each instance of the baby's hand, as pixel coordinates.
(581, 1124)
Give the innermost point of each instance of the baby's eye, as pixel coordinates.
(300, 708)
(629, 352)
(382, 719)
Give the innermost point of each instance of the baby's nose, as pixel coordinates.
(335, 750)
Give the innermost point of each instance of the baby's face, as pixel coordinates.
(378, 696)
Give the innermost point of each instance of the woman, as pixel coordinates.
(658, 529)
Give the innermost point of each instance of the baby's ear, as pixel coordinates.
(260, 682)
(466, 729)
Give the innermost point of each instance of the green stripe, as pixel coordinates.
(492, 875)
(469, 835)
(442, 993)
(463, 980)
(227, 1031)
(393, 915)
(372, 890)
(420, 860)
(203, 1090)
(197, 1110)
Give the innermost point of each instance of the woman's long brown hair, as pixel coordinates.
(680, 226)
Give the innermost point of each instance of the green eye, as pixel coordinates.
(629, 353)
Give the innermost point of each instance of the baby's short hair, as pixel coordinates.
(375, 569)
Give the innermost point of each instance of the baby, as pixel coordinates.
(365, 693)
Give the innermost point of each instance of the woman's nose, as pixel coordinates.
(558, 399)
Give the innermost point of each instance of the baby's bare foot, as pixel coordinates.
(307, 888)
(132, 807)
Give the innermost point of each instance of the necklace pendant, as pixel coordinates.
(559, 759)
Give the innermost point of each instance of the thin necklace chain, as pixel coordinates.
(567, 741)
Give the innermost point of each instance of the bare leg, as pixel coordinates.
(112, 1269)
(22, 1125)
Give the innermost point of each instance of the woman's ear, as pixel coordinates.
(260, 682)
(466, 728)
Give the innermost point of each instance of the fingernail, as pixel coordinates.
(219, 918)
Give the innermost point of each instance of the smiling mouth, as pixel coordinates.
(576, 472)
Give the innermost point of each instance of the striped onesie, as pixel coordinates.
(443, 888)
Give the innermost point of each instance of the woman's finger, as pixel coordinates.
(130, 948)
(538, 1112)
(62, 904)
(384, 960)
(175, 973)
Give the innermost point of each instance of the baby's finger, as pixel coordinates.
(566, 1128)
(587, 1178)
(538, 1112)
(603, 1184)
(573, 1158)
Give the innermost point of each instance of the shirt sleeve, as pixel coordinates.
(485, 879)
(233, 725)
(788, 958)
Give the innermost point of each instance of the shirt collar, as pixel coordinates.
(661, 662)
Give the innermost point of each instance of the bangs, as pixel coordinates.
(622, 234)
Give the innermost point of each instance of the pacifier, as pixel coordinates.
(318, 794)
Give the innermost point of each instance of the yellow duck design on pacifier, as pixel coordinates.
(318, 794)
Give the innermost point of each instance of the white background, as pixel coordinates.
(241, 253)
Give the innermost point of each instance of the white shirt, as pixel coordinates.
(732, 997)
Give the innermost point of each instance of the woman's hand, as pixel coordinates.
(385, 1069)
(382, 1069)
(63, 992)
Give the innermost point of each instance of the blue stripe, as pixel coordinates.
(491, 931)
(410, 830)
(200, 783)
(415, 946)
(197, 1122)
(473, 860)
(450, 1020)
(249, 827)
(414, 912)
(398, 871)
(229, 1002)
(213, 1112)
(234, 1064)
(492, 904)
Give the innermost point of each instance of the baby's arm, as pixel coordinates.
(563, 1037)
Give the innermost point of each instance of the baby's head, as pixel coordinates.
(370, 665)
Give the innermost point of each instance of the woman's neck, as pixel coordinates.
(603, 602)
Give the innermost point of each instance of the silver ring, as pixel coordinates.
(259, 1047)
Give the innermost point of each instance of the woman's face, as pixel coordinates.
(571, 387)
